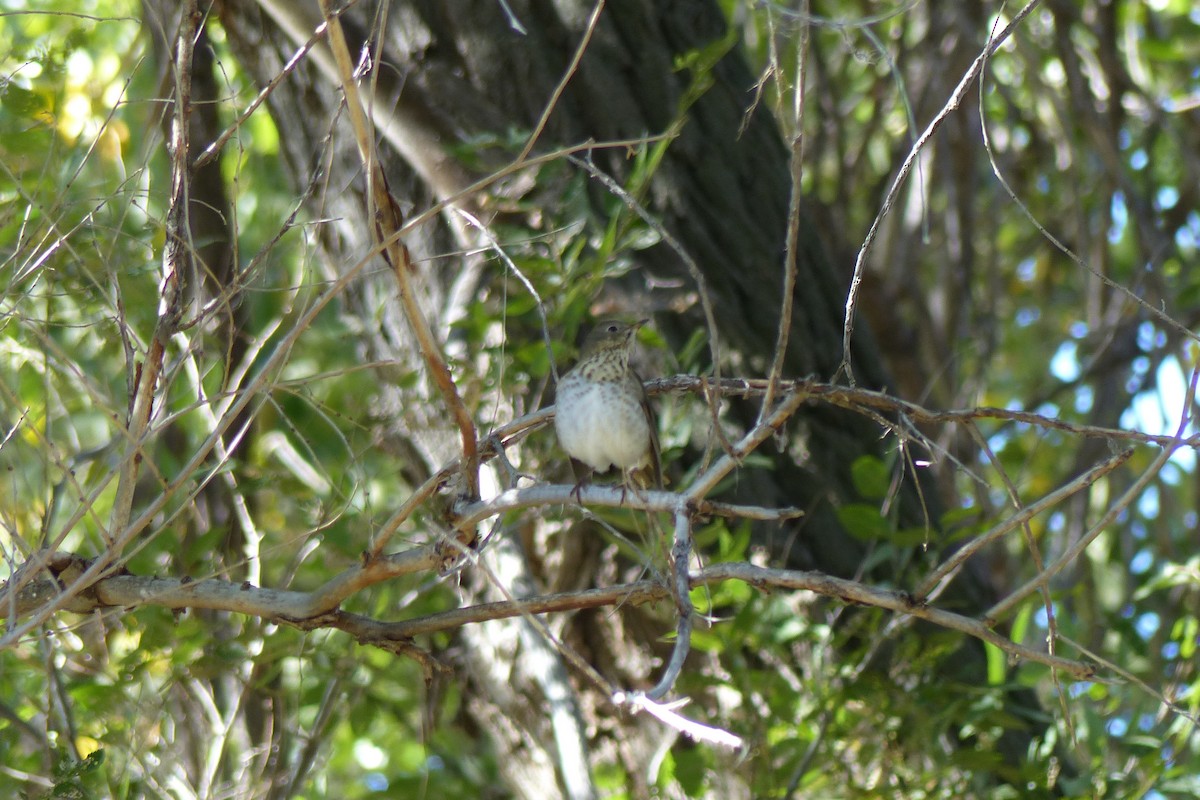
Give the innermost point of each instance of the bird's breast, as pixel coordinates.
(602, 423)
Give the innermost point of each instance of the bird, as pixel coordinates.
(602, 416)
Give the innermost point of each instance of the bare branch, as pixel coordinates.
(174, 282)
(588, 30)
(214, 148)
(291, 607)
(681, 554)
(611, 497)
(932, 587)
(793, 226)
(889, 199)
(1127, 497)
(759, 434)
(901, 602)
(388, 224)
(666, 714)
(865, 400)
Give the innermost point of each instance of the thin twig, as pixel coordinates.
(588, 30)
(213, 149)
(1127, 497)
(681, 555)
(1038, 563)
(932, 587)
(666, 714)
(793, 226)
(901, 602)
(708, 481)
(956, 98)
(494, 243)
(388, 224)
(1125, 674)
(174, 282)
(1030, 542)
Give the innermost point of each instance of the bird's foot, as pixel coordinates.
(630, 483)
(583, 477)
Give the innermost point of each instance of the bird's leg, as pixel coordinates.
(583, 477)
(639, 479)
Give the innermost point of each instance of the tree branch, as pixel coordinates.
(388, 223)
(889, 200)
(304, 609)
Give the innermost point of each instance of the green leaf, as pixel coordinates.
(864, 522)
(22, 102)
(691, 769)
(871, 477)
(997, 664)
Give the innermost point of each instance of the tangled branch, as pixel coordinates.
(50, 580)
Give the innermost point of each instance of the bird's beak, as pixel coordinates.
(640, 323)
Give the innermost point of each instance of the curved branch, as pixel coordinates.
(290, 607)
(615, 496)
(956, 98)
(388, 223)
(681, 554)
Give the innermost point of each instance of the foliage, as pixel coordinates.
(1089, 113)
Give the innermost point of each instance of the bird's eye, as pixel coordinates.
(612, 328)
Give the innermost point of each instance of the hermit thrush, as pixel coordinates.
(601, 414)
